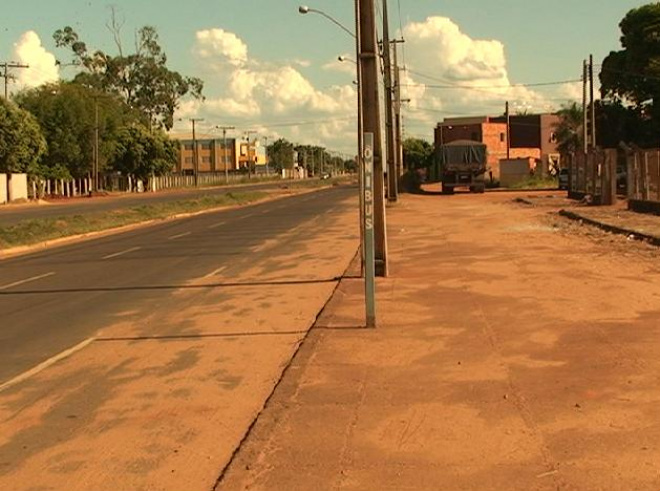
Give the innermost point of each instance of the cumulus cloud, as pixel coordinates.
(249, 91)
(453, 74)
(219, 45)
(449, 74)
(42, 69)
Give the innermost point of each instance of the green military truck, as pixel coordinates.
(460, 163)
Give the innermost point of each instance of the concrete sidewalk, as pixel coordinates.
(509, 356)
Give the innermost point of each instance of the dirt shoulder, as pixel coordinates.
(515, 350)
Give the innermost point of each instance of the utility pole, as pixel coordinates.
(368, 60)
(392, 179)
(95, 170)
(249, 157)
(398, 125)
(508, 131)
(224, 151)
(585, 122)
(593, 102)
(6, 66)
(194, 121)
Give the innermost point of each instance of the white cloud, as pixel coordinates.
(42, 69)
(249, 92)
(218, 44)
(438, 53)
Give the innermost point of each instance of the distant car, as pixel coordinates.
(325, 175)
(563, 179)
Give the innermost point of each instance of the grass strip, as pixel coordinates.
(43, 229)
(536, 183)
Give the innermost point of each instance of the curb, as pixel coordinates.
(634, 234)
(74, 239)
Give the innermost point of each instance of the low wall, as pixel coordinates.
(3, 189)
(17, 187)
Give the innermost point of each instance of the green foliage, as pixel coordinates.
(417, 153)
(21, 141)
(630, 77)
(142, 78)
(569, 128)
(66, 113)
(141, 153)
(280, 154)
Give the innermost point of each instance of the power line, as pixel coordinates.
(5, 74)
(485, 87)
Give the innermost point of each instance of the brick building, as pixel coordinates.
(215, 157)
(529, 136)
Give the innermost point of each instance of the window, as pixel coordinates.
(501, 137)
(206, 146)
(189, 160)
(206, 160)
(188, 146)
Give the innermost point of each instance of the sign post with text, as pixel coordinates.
(369, 255)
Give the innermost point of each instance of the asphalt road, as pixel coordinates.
(13, 214)
(52, 300)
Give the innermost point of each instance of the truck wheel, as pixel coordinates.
(447, 189)
(481, 188)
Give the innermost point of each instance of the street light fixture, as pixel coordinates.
(304, 9)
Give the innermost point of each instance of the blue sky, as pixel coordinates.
(539, 40)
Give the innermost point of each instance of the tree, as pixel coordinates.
(66, 113)
(569, 129)
(417, 153)
(21, 142)
(141, 153)
(631, 76)
(141, 78)
(280, 154)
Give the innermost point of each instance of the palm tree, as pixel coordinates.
(568, 130)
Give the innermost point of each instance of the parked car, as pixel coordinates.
(563, 179)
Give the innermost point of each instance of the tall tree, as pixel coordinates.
(417, 153)
(21, 142)
(632, 74)
(67, 115)
(568, 130)
(141, 78)
(280, 154)
(141, 153)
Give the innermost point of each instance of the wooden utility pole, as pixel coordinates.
(368, 61)
(398, 125)
(593, 102)
(194, 121)
(224, 149)
(392, 178)
(585, 121)
(508, 131)
(5, 73)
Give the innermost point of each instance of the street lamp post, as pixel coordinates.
(224, 145)
(194, 122)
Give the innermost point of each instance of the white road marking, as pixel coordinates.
(219, 224)
(216, 272)
(28, 280)
(179, 236)
(117, 254)
(48, 363)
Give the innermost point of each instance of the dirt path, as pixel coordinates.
(515, 351)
